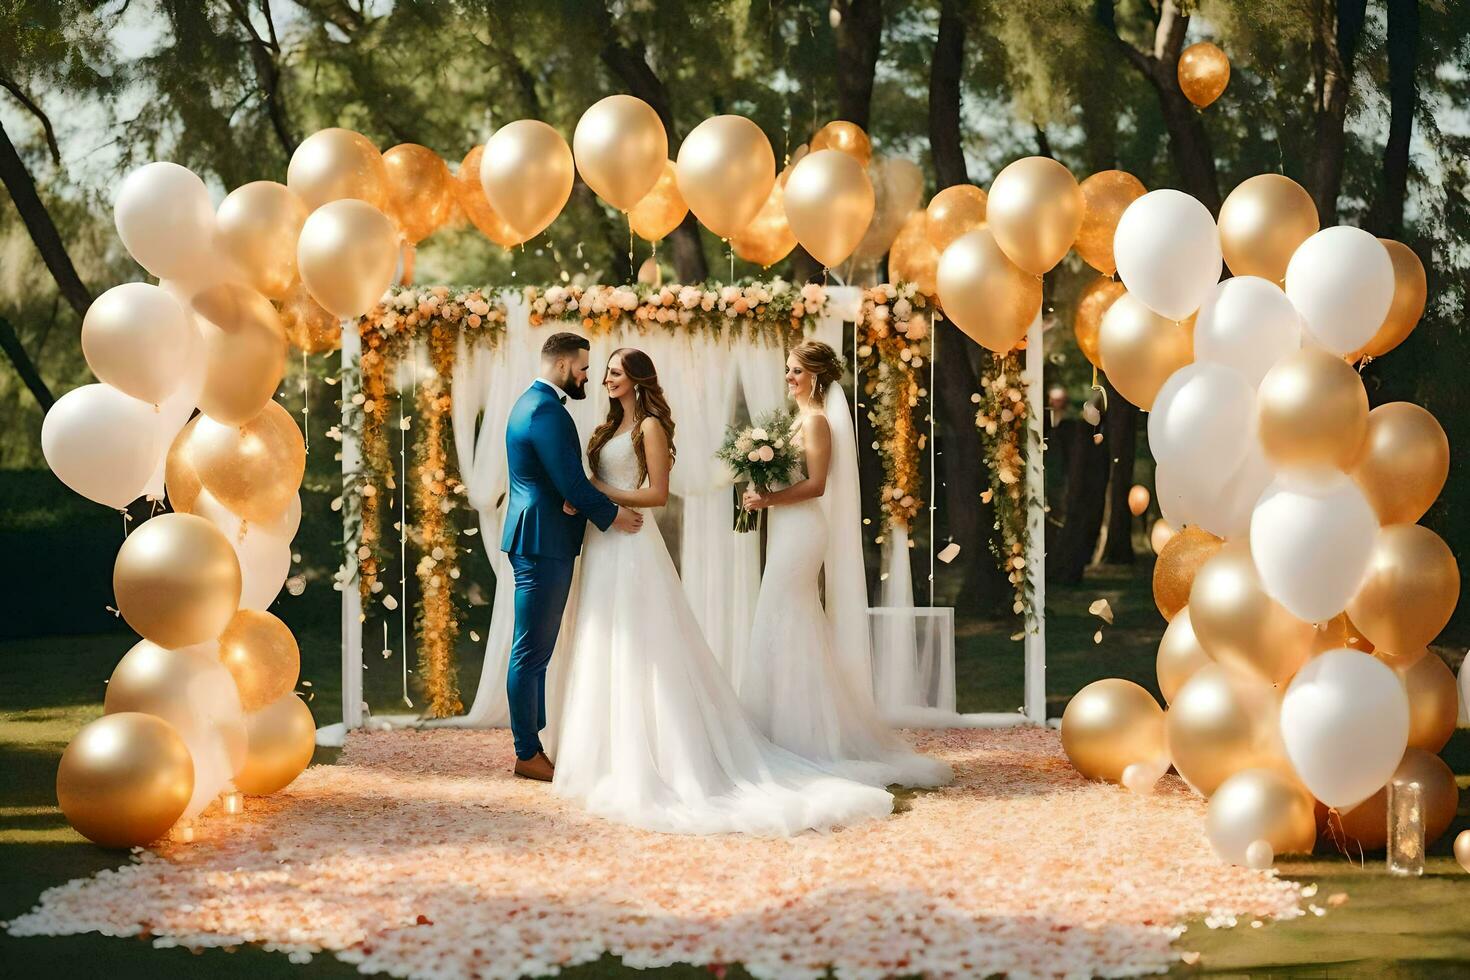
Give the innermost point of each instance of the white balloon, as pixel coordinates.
(142, 329)
(1259, 856)
(1203, 419)
(175, 410)
(1341, 282)
(101, 443)
(1202, 498)
(1464, 693)
(1312, 536)
(264, 550)
(1143, 777)
(1168, 252)
(1345, 724)
(166, 221)
(1247, 323)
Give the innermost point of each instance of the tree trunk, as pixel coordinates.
(22, 188)
(1403, 100)
(859, 34)
(1336, 27)
(1082, 506)
(945, 73)
(1120, 436)
(23, 365)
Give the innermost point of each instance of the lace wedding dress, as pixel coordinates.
(650, 731)
(806, 681)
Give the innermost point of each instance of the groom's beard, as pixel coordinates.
(576, 390)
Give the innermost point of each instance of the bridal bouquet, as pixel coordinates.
(760, 455)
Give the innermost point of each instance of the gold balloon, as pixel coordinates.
(1404, 462)
(725, 170)
(124, 780)
(768, 238)
(257, 226)
(1222, 722)
(1240, 625)
(1261, 804)
(1339, 632)
(1106, 196)
(953, 212)
(1204, 71)
(829, 204)
(282, 739)
(985, 294)
(348, 255)
(1138, 498)
(1462, 849)
(254, 469)
(1179, 561)
(913, 258)
(333, 164)
(1434, 699)
(420, 190)
(620, 148)
(1410, 293)
(1097, 298)
(1140, 349)
(244, 350)
(1035, 210)
(844, 137)
(1366, 825)
(179, 478)
(1410, 590)
(177, 580)
(1160, 535)
(662, 209)
(309, 328)
(184, 687)
(1261, 224)
(527, 173)
(1312, 410)
(1180, 655)
(470, 194)
(1111, 724)
(261, 654)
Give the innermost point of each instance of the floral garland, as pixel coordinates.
(893, 346)
(1002, 421)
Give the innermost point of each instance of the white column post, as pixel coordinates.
(1035, 642)
(351, 597)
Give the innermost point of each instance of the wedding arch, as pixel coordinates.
(441, 366)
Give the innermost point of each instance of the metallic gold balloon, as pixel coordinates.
(1204, 71)
(1240, 625)
(188, 689)
(1404, 463)
(1160, 535)
(1366, 825)
(844, 137)
(1261, 224)
(420, 190)
(1410, 590)
(1106, 196)
(768, 238)
(1109, 725)
(1097, 297)
(179, 479)
(177, 580)
(953, 212)
(1312, 410)
(1138, 498)
(725, 170)
(1462, 849)
(334, 164)
(662, 209)
(309, 328)
(913, 257)
(137, 338)
(1222, 722)
(1179, 561)
(1339, 632)
(1035, 210)
(1140, 349)
(1180, 655)
(829, 204)
(124, 780)
(348, 256)
(620, 148)
(527, 173)
(282, 739)
(471, 197)
(1261, 804)
(244, 350)
(1410, 293)
(985, 293)
(253, 469)
(1434, 698)
(261, 654)
(257, 226)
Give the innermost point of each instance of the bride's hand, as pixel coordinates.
(568, 509)
(754, 499)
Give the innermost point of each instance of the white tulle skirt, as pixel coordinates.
(650, 732)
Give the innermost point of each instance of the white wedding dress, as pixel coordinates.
(650, 731)
(806, 681)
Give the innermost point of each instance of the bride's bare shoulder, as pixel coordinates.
(815, 423)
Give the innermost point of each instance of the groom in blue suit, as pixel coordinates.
(551, 500)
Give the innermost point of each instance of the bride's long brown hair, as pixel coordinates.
(648, 402)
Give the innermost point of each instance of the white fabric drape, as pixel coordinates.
(845, 581)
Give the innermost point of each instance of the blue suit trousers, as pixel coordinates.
(542, 584)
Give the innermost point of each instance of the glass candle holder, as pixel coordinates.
(1405, 828)
(234, 802)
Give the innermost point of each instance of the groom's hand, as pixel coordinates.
(628, 521)
(568, 509)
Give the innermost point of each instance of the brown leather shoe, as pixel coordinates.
(536, 767)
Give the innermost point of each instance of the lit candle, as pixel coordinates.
(1405, 828)
(234, 802)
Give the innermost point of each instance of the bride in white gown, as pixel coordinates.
(651, 733)
(807, 679)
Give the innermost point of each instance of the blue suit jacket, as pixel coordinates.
(545, 462)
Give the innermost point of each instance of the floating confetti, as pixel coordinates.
(949, 552)
(1102, 609)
